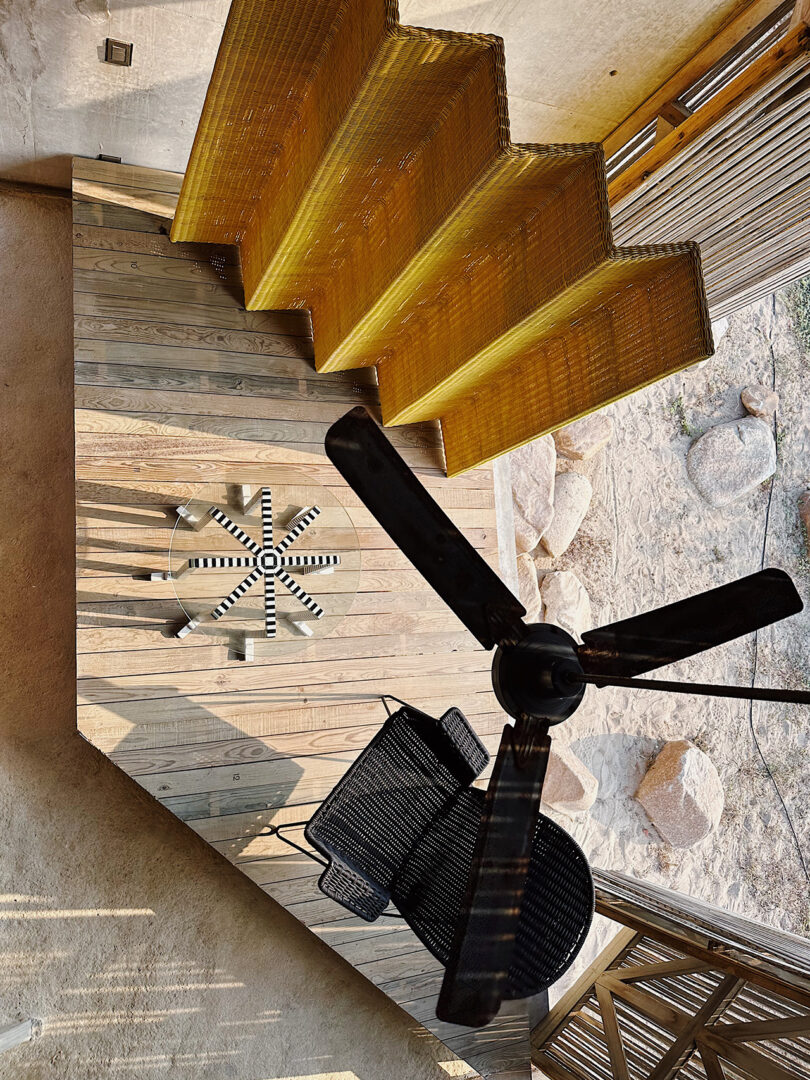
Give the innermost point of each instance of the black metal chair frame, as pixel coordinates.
(558, 866)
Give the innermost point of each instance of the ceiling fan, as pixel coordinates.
(539, 674)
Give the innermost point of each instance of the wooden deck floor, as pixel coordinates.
(179, 390)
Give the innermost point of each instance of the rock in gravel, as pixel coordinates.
(526, 536)
(584, 438)
(532, 467)
(682, 794)
(566, 602)
(719, 328)
(760, 401)
(572, 497)
(569, 786)
(730, 460)
(528, 589)
(804, 517)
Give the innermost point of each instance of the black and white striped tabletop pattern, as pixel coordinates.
(266, 561)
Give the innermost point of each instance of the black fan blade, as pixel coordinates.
(689, 626)
(421, 529)
(477, 975)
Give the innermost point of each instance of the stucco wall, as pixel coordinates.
(145, 953)
(574, 69)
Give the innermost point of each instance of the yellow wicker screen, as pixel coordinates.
(366, 172)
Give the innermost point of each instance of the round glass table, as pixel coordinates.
(265, 567)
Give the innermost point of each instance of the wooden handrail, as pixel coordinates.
(773, 958)
(729, 35)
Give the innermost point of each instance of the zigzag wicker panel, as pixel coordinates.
(365, 170)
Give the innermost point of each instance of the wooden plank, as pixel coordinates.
(319, 471)
(95, 360)
(273, 676)
(110, 216)
(156, 516)
(176, 312)
(159, 203)
(728, 35)
(150, 242)
(233, 704)
(555, 1070)
(682, 1049)
(142, 612)
(116, 272)
(298, 388)
(618, 1058)
(313, 417)
(747, 83)
(217, 449)
(687, 966)
(667, 1016)
(401, 627)
(216, 427)
(755, 1030)
(750, 1061)
(114, 732)
(136, 491)
(203, 655)
(711, 1063)
(261, 335)
(282, 782)
(135, 176)
(208, 587)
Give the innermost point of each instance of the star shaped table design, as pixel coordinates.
(267, 561)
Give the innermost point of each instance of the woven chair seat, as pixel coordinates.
(558, 901)
(401, 826)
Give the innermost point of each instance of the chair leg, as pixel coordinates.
(275, 830)
(385, 698)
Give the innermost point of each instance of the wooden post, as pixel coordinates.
(695, 68)
(670, 115)
(744, 86)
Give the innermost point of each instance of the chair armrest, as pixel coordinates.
(469, 751)
(348, 886)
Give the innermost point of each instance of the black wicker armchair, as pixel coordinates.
(401, 827)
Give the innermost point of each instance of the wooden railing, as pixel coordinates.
(683, 990)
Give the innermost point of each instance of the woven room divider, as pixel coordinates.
(364, 168)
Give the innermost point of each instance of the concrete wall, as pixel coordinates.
(574, 68)
(145, 953)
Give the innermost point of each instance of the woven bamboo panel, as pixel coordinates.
(284, 75)
(365, 169)
(535, 221)
(383, 187)
(623, 331)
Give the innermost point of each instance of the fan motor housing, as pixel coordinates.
(538, 678)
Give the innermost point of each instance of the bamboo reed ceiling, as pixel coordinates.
(365, 170)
